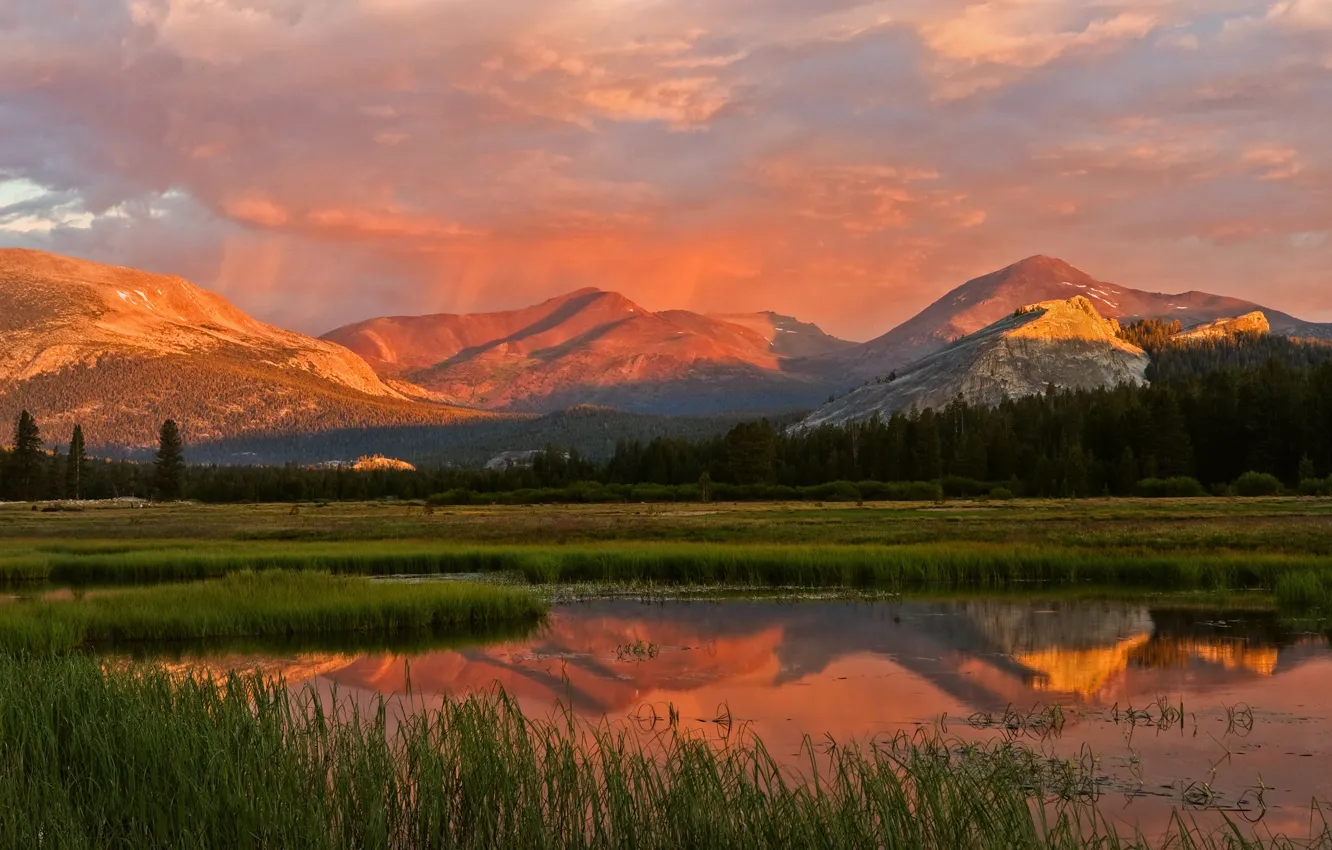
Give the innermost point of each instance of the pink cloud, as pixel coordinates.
(326, 160)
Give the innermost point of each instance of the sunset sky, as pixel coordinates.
(321, 161)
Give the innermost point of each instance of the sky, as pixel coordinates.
(845, 161)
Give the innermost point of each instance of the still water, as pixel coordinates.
(1236, 706)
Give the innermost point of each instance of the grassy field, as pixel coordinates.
(1278, 546)
(137, 758)
(1285, 525)
(273, 603)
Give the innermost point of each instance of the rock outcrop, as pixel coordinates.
(1250, 323)
(1067, 344)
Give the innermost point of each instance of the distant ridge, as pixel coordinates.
(595, 347)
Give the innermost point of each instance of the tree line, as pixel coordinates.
(1203, 426)
(28, 472)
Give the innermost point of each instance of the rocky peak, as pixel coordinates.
(1255, 322)
(1064, 343)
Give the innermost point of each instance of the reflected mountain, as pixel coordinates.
(964, 655)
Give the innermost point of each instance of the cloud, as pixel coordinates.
(1028, 34)
(320, 161)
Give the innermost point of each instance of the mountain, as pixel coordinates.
(1064, 343)
(980, 302)
(593, 347)
(120, 350)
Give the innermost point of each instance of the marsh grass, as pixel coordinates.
(942, 564)
(272, 603)
(135, 757)
(1301, 591)
(1300, 581)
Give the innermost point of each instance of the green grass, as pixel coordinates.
(1214, 545)
(274, 603)
(134, 757)
(943, 565)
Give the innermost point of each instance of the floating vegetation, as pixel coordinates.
(639, 650)
(1038, 722)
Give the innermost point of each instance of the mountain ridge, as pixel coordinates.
(592, 346)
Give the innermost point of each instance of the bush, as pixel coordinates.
(836, 491)
(1316, 486)
(1001, 493)
(1252, 484)
(1179, 487)
(922, 491)
(966, 488)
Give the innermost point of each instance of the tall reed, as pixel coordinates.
(133, 757)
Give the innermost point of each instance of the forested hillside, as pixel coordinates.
(1199, 428)
(1174, 355)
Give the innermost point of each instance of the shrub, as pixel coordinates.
(836, 491)
(1001, 493)
(923, 491)
(1316, 486)
(1179, 487)
(966, 488)
(1257, 484)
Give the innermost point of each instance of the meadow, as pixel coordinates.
(1281, 548)
(97, 750)
(137, 757)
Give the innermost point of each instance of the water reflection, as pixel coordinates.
(853, 670)
(604, 655)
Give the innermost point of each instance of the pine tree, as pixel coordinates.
(169, 477)
(25, 461)
(76, 466)
(1307, 470)
(705, 487)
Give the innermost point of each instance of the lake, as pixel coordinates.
(1209, 710)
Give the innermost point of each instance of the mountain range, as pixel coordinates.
(118, 350)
